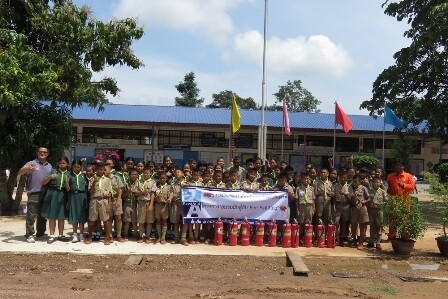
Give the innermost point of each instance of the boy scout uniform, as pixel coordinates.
(176, 203)
(100, 199)
(248, 185)
(220, 185)
(117, 184)
(322, 191)
(230, 185)
(342, 205)
(377, 197)
(148, 186)
(359, 213)
(130, 202)
(305, 197)
(161, 200)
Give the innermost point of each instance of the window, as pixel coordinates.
(90, 135)
(347, 144)
(326, 141)
(171, 137)
(275, 141)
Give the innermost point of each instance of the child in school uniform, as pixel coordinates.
(342, 208)
(78, 199)
(176, 207)
(163, 197)
(134, 187)
(359, 197)
(116, 201)
(264, 183)
(207, 179)
(100, 203)
(377, 197)
(55, 201)
(195, 180)
(145, 207)
(251, 183)
(233, 182)
(305, 203)
(217, 180)
(323, 189)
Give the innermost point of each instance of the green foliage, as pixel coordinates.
(62, 46)
(369, 162)
(189, 92)
(442, 171)
(440, 191)
(27, 127)
(224, 99)
(408, 219)
(298, 98)
(417, 82)
(402, 148)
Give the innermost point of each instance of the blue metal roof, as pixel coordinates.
(221, 116)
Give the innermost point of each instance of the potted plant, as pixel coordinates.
(406, 218)
(439, 188)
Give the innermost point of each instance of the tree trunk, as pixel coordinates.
(5, 197)
(18, 199)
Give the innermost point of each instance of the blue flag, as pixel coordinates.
(392, 119)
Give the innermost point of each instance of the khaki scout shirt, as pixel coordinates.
(305, 194)
(103, 187)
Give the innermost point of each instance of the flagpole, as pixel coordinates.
(230, 137)
(261, 137)
(334, 132)
(384, 137)
(283, 135)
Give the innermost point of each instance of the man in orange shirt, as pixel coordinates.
(400, 183)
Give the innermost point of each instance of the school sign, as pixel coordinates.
(205, 205)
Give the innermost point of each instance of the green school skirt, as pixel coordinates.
(54, 204)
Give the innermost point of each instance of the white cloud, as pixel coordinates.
(208, 17)
(317, 55)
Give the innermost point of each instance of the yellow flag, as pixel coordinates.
(236, 116)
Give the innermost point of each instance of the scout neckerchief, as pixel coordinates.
(305, 196)
(99, 183)
(144, 183)
(112, 191)
(159, 191)
(377, 193)
(77, 178)
(234, 185)
(62, 178)
(195, 182)
(251, 183)
(325, 187)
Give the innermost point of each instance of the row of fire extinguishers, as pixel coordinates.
(324, 236)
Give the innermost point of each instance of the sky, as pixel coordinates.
(336, 48)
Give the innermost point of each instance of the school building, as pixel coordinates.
(148, 132)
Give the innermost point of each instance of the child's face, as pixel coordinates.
(76, 168)
(252, 176)
(313, 173)
(324, 174)
(133, 176)
(179, 174)
(62, 165)
(163, 179)
(206, 178)
(139, 167)
(195, 176)
(146, 174)
(297, 178)
(343, 179)
(264, 180)
(89, 172)
(333, 175)
(376, 183)
(233, 177)
(218, 177)
(281, 182)
(106, 170)
(99, 171)
(356, 183)
(306, 180)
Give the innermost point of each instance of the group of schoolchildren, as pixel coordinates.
(132, 198)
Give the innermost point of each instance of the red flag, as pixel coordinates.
(342, 119)
(286, 119)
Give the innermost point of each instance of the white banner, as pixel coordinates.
(205, 205)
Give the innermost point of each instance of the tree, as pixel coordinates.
(189, 92)
(224, 99)
(418, 82)
(50, 49)
(297, 97)
(403, 147)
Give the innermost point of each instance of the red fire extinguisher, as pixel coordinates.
(308, 242)
(259, 233)
(219, 226)
(245, 233)
(286, 240)
(320, 237)
(331, 230)
(295, 234)
(233, 237)
(272, 226)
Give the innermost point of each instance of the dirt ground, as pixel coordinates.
(202, 276)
